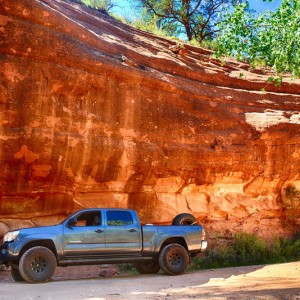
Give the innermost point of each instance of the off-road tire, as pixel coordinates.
(37, 264)
(15, 274)
(184, 219)
(174, 259)
(151, 267)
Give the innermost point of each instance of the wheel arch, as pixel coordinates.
(175, 240)
(47, 243)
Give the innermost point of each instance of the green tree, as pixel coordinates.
(272, 37)
(196, 19)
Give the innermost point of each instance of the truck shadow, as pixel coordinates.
(111, 271)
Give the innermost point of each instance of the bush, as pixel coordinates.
(247, 249)
(127, 268)
(284, 250)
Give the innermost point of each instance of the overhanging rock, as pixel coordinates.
(97, 113)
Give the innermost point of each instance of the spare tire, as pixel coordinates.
(184, 219)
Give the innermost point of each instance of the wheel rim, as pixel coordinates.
(38, 265)
(186, 222)
(174, 259)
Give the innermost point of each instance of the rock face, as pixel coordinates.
(96, 113)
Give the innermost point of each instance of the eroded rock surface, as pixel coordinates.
(96, 113)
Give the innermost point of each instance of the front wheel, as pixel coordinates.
(151, 267)
(174, 259)
(37, 264)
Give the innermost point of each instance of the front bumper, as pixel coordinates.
(203, 245)
(4, 254)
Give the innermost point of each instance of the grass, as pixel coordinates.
(247, 249)
(127, 268)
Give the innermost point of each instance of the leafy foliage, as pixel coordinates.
(272, 37)
(247, 249)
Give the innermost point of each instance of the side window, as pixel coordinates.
(119, 218)
(90, 218)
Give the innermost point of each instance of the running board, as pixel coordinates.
(104, 260)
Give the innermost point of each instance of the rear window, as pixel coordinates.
(119, 218)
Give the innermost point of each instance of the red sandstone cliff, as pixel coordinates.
(97, 113)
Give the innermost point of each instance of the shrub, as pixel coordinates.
(248, 249)
(127, 268)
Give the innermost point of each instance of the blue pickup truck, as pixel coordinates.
(102, 236)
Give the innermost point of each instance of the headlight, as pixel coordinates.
(10, 236)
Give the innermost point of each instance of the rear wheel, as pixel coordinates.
(184, 219)
(15, 273)
(174, 259)
(37, 264)
(151, 267)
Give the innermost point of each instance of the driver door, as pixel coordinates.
(86, 237)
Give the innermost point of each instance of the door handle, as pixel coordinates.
(132, 230)
(98, 230)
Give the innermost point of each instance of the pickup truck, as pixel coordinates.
(102, 236)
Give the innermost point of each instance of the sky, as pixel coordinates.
(123, 7)
(261, 6)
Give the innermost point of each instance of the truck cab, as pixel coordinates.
(101, 232)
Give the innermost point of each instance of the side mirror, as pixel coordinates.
(72, 222)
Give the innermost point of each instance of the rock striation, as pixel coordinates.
(96, 113)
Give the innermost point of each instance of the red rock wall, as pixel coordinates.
(96, 113)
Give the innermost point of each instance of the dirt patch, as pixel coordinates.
(72, 273)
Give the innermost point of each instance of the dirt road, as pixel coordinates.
(280, 281)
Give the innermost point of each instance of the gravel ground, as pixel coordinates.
(281, 281)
